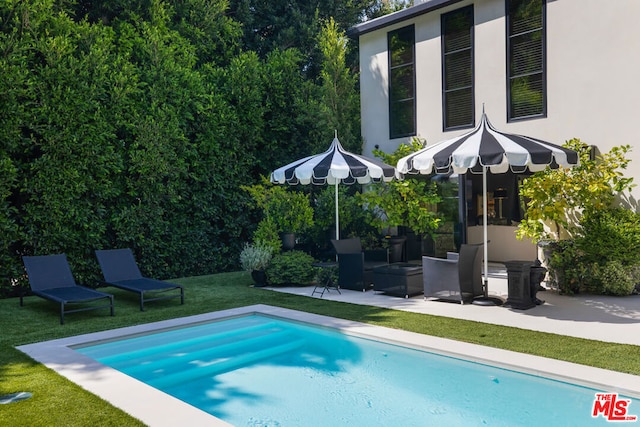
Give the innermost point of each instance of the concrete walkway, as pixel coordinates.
(602, 318)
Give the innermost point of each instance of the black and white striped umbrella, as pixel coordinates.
(486, 148)
(334, 166)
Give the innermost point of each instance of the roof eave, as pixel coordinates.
(396, 17)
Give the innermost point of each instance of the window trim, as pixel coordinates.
(443, 71)
(508, 64)
(390, 89)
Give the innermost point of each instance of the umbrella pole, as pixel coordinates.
(485, 237)
(485, 300)
(337, 215)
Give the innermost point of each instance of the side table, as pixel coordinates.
(328, 284)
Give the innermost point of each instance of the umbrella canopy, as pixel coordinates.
(486, 148)
(334, 166)
(483, 147)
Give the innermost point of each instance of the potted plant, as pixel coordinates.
(255, 258)
(411, 202)
(289, 210)
(292, 213)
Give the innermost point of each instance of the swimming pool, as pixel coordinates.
(332, 376)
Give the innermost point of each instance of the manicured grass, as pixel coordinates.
(57, 401)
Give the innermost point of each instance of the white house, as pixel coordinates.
(550, 69)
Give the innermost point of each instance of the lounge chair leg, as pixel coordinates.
(62, 313)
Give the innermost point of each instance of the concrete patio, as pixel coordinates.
(595, 317)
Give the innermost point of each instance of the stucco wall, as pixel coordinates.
(593, 58)
(503, 246)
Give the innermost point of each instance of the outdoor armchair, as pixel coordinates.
(355, 266)
(120, 270)
(457, 278)
(50, 278)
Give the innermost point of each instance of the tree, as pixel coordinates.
(134, 123)
(280, 25)
(556, 199)
(340, 98)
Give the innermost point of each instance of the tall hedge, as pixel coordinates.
(133, 124)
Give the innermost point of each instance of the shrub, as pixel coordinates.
(355, 220)
(267, 233)
(566, 267)
(255, 256)
(611, 235)
(292, 267)
(411, 202)
(609, 242)
(612, 278)
(290, 210)
(327, 274)
(557, 198)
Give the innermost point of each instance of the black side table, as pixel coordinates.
(328, 284)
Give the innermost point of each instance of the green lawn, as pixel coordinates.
(57, 401)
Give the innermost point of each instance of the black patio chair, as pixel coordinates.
(355, 266)
(457, 278)
(50, 278)
(120, 270)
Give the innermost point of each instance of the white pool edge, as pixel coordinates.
(158, 409)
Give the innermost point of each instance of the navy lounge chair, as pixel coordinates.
(120, 269)
(50, 278)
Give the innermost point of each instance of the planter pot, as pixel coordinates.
(288, 241)
(259, 278)
(397, 249)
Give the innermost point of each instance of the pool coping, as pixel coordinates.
(156, 408)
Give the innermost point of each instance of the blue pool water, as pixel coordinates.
(262, 371)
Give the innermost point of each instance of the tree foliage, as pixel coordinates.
(556, 199)
(591, 243)
(134, 123)
(340, 104)
(410, 202)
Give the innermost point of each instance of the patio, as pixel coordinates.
(595, 317)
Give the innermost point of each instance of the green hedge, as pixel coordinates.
(135, 128)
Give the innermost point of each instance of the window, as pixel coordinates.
(457, 69)
(526, 64)
(402, 82)
(504, 203)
